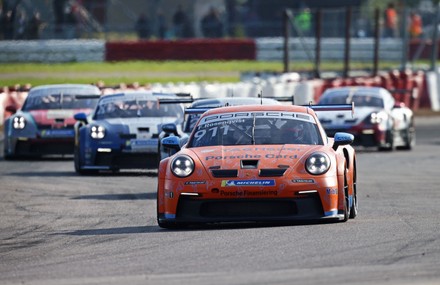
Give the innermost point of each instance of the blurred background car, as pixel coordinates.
(378, 121)
(44, 124)
(123, 131)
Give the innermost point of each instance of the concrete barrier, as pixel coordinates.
(433, 79)
(303, 49)
(52, 51)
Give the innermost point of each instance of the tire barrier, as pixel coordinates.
(410, 87)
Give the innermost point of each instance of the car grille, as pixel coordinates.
(127, 160)
(195, 208)
(222, 173)
(44, 147)
(276, 172)
(248, 209)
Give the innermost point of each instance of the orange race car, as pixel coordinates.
(258, 163)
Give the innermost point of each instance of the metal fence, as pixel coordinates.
(115, 19)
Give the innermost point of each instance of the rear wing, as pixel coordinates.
(316, 108)
(332, 107)
(187, 99)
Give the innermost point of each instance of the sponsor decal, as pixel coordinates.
(303, 180)
(331, 191)
(195, 182)
(207, 150)
(248, 193)
(250, 156)
(140, 143)
(235, 183)
(57, 133)
(59, 114)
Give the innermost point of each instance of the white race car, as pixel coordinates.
(379, 120)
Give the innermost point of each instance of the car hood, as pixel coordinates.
(133, 125)
(346, 118)
(56, 116)
(268, 156)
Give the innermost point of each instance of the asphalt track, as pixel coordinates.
(60, 228)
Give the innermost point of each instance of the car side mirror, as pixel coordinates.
(12, 109)
(172, 142)
(170, 129)
(342, 139)
(82, 117)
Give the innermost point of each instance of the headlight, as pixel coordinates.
(182, 166)
(19, 123)
(318, 163)
(377, 118)
(97, 132)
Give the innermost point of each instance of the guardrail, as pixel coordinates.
(265, 49)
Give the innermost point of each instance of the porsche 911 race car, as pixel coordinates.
(257, 163)
(123, 131)
(379, 122)
(44, 124)
(197, 107)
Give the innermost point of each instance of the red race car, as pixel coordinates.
(258, 163)
(44, 124)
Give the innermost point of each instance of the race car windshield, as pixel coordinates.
(360, 100)
(260, 128)
(136, 108)
(59, 101)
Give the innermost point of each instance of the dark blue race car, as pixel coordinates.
(123, 131)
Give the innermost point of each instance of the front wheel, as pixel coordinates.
(410, 138)
(77, 163)
(354, 204)
(389, 145)
(346, 206)
(76, 159)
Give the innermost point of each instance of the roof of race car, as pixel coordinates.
(233, 101)
(136, 95)
(74, 89)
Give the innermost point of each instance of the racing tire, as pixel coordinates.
(162, 224)
(8, 156)
(346, 208)
(76, 160)
(77, 163)
(389, 142)
(410, 138)
(354, 205)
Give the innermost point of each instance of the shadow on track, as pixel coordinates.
(116, 197)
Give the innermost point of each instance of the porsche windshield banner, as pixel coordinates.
(231, 117)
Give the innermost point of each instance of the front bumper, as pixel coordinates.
(195, 209)
(368, 136)
(117, 159)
